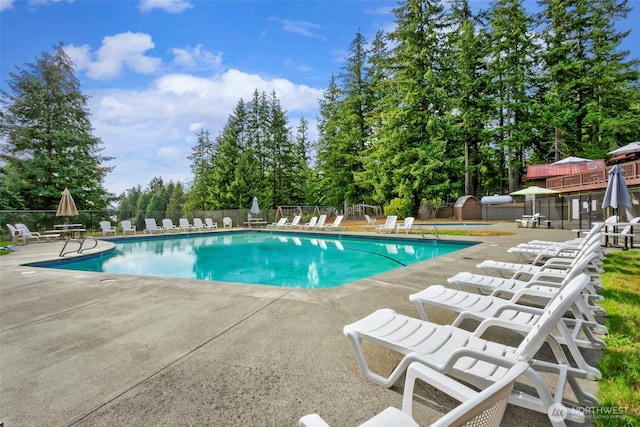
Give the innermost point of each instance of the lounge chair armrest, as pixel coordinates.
(312, 420)
(501, 323)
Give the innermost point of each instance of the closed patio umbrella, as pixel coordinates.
(617, 193)
(533, 191)
(66, 207)
(255, 209)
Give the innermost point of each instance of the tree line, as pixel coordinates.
(451, 102)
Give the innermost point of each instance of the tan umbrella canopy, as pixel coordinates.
(66, 207)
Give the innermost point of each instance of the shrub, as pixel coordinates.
(399, 207)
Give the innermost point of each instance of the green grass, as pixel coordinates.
(4, 243)
(620, 364)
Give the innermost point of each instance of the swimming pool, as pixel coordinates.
(261, 257)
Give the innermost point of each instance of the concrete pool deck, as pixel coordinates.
(91, 349)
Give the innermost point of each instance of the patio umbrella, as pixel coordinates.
(617, 193)
(632, 147)
(569, 160)
(533, 191)
(66, 207)
(255, 209)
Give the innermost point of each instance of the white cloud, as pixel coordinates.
(299, 27)
(194, 57)
(116, 52)
(151, 131)
(171, 6)
(6, 5)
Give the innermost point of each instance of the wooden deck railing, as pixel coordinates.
(595, 179)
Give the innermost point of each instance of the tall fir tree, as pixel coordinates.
(201, 158)
(48, 142)
(513, 55)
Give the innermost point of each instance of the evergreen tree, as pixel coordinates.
(377, 173)
(468, 89)
(223, 192)
(48, 143)
(201, 166)
(328, 160)
(511, 69)
(411, 140)
(302, 190)
(176, 201)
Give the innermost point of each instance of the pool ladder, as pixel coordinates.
(433, 231)
(81, 246)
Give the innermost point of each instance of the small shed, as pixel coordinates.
(467, 207)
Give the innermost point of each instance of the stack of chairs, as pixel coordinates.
(548, 298)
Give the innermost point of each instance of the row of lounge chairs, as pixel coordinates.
(315, 223)
(550, 300)
(184, 226)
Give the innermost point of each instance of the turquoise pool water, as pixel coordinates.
(263, 257)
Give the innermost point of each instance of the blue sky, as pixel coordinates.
(158, 71)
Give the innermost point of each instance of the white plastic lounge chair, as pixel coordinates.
(370, 221)
(549, 244)
(320, 223)
(126, 226)
(573, 332)
(167, 225)
(151, 226)
(281, 223)
(335, 224)
(209, 224)
(406, 225)
(389, 225)
(558, 264)
(226, 222)
(469, 357)
(15, 234)
(312, 222)
(545, 277)
(184, 225)
(536, 254)
(485, 408)
(27, 234)
(545, 281)
(197, 224)
(294, 223)
(107, 228)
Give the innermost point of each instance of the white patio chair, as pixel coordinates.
(279, 224)
(226, 222)
(294, 223)
(126, 226)
(184, 225)
(151, 226)
(312, 222)
(406, 225)
(479, 409)
(389, 224)
(167, 225)
(370, 221)
(106, 227)
(335, 224)
(209, 224)
(320, 222)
